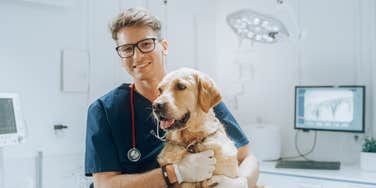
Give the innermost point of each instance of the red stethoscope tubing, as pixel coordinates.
(132, 111)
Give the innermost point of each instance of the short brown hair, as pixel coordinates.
(135, 17)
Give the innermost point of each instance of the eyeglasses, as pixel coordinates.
(145, 46)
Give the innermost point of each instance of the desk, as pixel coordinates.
(347, 177)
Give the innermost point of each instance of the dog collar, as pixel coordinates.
(191, 147)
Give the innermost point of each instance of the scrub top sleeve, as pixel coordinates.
(232, 127)
(101, 154)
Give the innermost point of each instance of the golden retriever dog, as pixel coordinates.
(185, 111)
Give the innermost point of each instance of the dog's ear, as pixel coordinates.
(208, 93)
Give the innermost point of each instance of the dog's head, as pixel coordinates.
(184, 95)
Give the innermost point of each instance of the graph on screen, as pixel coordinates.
(329, 108)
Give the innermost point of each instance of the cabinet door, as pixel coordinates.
(280, 181)
(277, 181)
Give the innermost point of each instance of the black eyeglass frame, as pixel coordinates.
(135, 45)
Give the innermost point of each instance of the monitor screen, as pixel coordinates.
(12, 129)
(330, 108)
(7, 116)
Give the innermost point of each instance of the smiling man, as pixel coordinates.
(121, 140)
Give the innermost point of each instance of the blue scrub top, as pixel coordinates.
(109, 133)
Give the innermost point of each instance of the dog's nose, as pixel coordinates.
(159, 106)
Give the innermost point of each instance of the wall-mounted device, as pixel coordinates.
(12, 129)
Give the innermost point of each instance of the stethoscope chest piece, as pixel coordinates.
(134, 154)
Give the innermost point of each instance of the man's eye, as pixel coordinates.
(180, 86)
(126, 49)
(146, 44)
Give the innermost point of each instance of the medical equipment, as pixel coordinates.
(133, 154)
(326, 108)
(330, 108)
(12, 130)
(257, 27)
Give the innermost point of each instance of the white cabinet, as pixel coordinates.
(281, 181)
(347, 177)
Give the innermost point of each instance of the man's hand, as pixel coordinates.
(221, 181)
(197, 167)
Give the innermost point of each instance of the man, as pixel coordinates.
(120, 153)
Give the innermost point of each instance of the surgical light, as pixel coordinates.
(248, 24)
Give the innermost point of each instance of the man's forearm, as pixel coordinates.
(250, 168)
(151, 179)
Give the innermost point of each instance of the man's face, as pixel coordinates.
(142, 65)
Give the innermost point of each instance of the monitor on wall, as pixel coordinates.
(11, 123)
(330, 108)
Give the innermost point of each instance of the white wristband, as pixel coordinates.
(177, 173)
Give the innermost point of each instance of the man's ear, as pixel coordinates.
(164, 46)
(208, 93)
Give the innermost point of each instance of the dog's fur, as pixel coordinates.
(189, 96)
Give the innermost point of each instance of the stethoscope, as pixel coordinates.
(134, 154)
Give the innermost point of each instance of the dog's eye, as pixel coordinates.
(180, 86)
(160, 90)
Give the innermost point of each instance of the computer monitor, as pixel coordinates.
(330, 108)
(12, 130)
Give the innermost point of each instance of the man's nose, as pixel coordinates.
(137, 53)
(159, 106)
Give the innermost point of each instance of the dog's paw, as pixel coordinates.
(212, 182)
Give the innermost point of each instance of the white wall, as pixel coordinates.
(32, 37)
(335, 48)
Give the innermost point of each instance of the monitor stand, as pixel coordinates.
(305, 164)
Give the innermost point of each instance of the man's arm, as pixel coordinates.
(151, 179)
(192, 168)
(249, 166)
